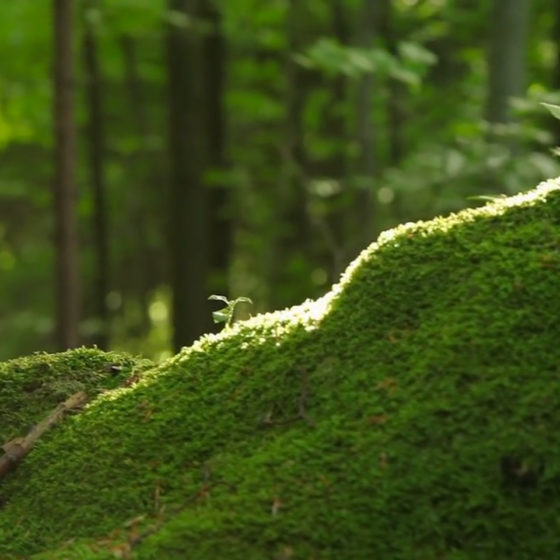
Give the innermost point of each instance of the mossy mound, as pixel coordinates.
(30, 387)
(410, 414)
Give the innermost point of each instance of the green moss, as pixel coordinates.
(30, 387)
(411, 414)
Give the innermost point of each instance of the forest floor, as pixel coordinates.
(409, 414)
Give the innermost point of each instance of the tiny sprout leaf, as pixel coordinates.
(554, 109)
(220, 316)
(226, 314)
(487, 197)
(219, 298)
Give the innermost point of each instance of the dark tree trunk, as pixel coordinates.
(555, 85)
(97, 160)
(67, 283)
(396, 96)
(367, 161)
(141, 211)
(295, 195)
(507, 56)
(134, 83)
(188, 239)
(337, 165)
(220, 199)
(291, 241)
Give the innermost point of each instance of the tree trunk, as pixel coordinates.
(67, 285)
(396, 95)
(141, 210)
(367, 161)
(555, 85)
(220, 199)
(507, 56)
(97, 157)
(295, 195)
(188, 241)
(291, 241)
(337, 165)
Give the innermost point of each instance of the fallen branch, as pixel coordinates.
(16, 449)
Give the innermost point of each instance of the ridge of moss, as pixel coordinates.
(408, 414)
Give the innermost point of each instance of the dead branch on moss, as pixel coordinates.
(16, 449)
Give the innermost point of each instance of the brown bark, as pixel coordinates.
(97, 159)
(291, 238)
(366, 132)
(188, 238)
(555, 85)
(66, 239)
(141, 211)
(296, 93)
(17, 449)
(134, 83)
(507, 56)
(337, 166)
(396, 98)
(220, 200)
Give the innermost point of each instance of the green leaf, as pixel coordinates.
(178, 19)
(242, 299)
(414, 52)
(554, 109)
(220, 316)
(487, 197)
(219, 298)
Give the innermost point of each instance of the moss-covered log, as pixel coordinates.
(410, 414)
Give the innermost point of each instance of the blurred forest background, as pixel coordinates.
(155, 152)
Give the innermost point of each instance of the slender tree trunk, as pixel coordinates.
(220, 199)
(134, 83)
(365, 131)
(67, 285)
(97, 161)
(140, 213)
(292, 230)
(337, 165)
(396, 97)
(188, 242)
(295, 197)
(555, 80)
(507, 56)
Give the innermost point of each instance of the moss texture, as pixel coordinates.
(30, 387)
(410, 414)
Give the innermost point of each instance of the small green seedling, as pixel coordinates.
(487, 197)
(554, 109)
(225, 315)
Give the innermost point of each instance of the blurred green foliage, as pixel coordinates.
(432, 150)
